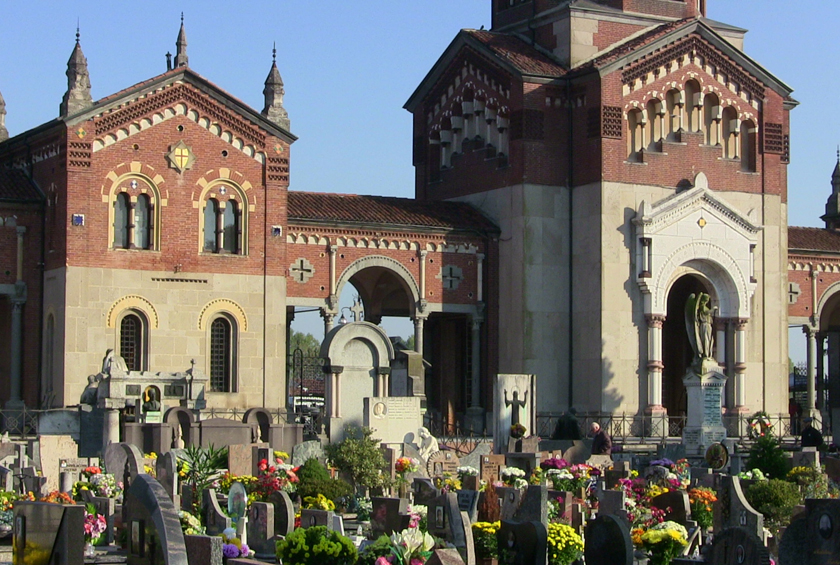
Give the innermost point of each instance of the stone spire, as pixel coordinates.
(832, 207)
(77, 97)
(273, 93)
(181, 59)
(4, 133)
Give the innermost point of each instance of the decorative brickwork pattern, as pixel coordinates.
(135, 110)
(774, 141)
(786, 151)
(79, 155)
(611, 123)
(278, 169)
(695, 47)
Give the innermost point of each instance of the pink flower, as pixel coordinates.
(417, 561)
(382, 561)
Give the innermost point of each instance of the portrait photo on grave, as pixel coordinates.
(439, 517)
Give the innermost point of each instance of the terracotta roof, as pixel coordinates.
(16, 186)
(527, 59)
(813, 239)
(635, 43)
(386, 210)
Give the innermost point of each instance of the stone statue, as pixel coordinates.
(113, 361)
(428, 445)
(91, 392)
(698, 324)
(152, 404)
(515, 404)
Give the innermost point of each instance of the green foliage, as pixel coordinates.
(379, 548)
(307, 343)
(359, 456)
(316, 546)
(775, 499)
(767, 455)
(315, 479)
(201, 467)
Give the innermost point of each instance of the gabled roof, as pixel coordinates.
(649, 42)
(508, 51)
(16, 186)
(308, 207)
(137, 92)
(813, 239)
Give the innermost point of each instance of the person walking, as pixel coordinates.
(601, 441)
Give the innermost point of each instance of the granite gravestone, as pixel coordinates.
(206, 550)
(154, 530)
(240, 459)
(611, 503)
(509, 499)
(310, 517)
(118, 455)
(608, 541)
(261, 528)
(795, 544)
(388, 515)
(48, 533)
(823, 529)
(303, 452)
(424, 491)
(167, 476)
(284, 513)
(534, 505)
(733, 510)
(215, 520)
(468, 502)
(522, 543)
(675, 504)
(491, 467)
(394, 419)
(443, 464)
(736, 546)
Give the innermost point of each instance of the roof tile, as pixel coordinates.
(386, 210)
(16, 186)
(526, 58)
(813, 239)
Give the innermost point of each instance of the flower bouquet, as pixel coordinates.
(190, 524)
(514, 477)
(564, 544)
(403, 466)
(319, 502)
(664, 541)
(232, 546)
(553, 463)
(518, 431)
(701, 499)
(408, 547)
(95, 525)
(484, 539)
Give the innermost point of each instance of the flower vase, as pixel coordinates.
(89, 552)
(403, 489)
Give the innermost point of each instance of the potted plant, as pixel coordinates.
(564, 544)
(664, 541)
(486, 545)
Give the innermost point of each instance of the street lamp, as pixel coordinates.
(343, 320)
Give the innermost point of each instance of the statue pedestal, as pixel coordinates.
(705, 424)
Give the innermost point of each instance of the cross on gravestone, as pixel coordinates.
(358, 310)
(302, 270)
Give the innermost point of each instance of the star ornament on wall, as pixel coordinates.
(180, 157)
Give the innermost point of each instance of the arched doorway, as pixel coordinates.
(676, 349)
(828, 362)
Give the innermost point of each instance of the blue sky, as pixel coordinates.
(349, 67)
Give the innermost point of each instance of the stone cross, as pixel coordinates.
(302, 270)
(451, 277)
(358, 310)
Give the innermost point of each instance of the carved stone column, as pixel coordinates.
(740, 363)
(16, 347)
(654, 364)
(811, 409)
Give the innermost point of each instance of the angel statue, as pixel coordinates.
(698, 324)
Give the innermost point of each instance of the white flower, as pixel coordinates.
(467, 471)
(520, 483)
(513, 472)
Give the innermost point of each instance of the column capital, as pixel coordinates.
(810, 331)
(740, 323)
(721, 323)
(20, 230)
(479, 256)
(422, 253)
(328, 314)
(332, 250)
(655, 320)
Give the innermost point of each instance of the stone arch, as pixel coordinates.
(262, 418)
(828, 301)
(717, 266)
(181, 420)
(132, 302)
(340, 336)
(223, 305)
(403, 275)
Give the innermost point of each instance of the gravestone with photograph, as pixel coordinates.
(261, 528)
(738, 545)
(491, 467)
(310, 517)
(388, 515)
(215, 519)
(154, 529)
(522, 543)
(394, 419)
(608, 541)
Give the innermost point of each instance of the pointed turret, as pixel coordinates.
(273, 93)
(4, 133)
(832, 207)
(77, 97)
(181, 59)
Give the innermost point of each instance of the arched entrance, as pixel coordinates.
(676, 349)
(827, 394)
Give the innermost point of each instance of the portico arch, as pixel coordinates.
(386, 286)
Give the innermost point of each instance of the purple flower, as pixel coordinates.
(664, 462)
(245, 550)
(229, 550)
